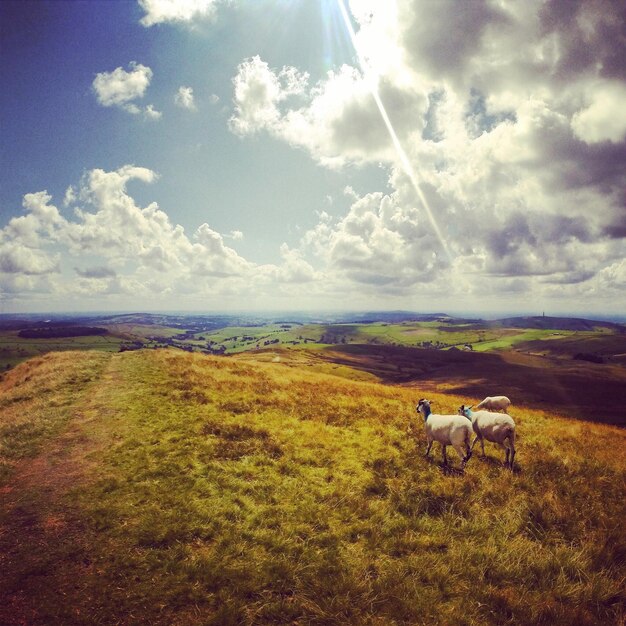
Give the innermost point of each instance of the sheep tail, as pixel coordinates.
(512, 437)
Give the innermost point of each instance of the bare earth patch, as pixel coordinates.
(43, 555)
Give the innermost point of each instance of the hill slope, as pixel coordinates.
(161, 487)
(586, 391)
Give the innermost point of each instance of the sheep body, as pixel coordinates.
(494, 427)
(448, 430)
(495, 403)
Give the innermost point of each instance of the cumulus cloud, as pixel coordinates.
(258, 91)
(120, 88)
(337, 120)
(150, 113)
(510, 120)
(184, 98)
(132, 250)
(181, 11)
(16, 259)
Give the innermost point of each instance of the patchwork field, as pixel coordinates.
(160, 487)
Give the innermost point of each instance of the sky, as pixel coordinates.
(251, 155)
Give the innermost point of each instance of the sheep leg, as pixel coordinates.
(475, 440)
(430, 445)
(464, 454)
(445, 456)
(510, 455)
(512, 445)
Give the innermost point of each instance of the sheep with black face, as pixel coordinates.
(448, 430)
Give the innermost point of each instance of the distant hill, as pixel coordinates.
(556, 323)
(581, 390)
(209, 321)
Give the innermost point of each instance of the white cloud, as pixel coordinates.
(339, 120)
(184, 98)
(119, 88)
(258, 91)
(150, 113)
(161, 11)
(604, 119)
(17, 259)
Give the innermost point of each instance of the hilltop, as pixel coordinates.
(557, 323)
(162, 487)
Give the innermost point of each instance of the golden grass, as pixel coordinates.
(230, 491)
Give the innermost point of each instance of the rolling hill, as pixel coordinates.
(161, 487)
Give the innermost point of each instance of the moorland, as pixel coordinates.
(159, 473)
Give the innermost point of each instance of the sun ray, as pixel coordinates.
(407, 166)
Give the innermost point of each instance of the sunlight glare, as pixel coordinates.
(372, 82)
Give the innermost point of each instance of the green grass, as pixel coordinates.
(539, 336)
(14, 349)
(230, 491)
(236, 339)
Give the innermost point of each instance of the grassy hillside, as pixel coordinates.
(588, 391)
(159, 487)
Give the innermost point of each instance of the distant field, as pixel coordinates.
(14, 349)
(143, 331)
(606, 342)
(242, 338)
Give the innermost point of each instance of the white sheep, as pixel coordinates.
(494, 427)
(448, 430)
(494, 403)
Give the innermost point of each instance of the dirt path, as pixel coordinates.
(43, 552)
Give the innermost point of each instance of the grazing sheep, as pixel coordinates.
(493, 427)
(448, 430)
(495, 403)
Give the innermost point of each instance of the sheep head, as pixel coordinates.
(423, 407)
(465, 411)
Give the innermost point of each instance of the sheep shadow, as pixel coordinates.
(446, 470)
(495, 462)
